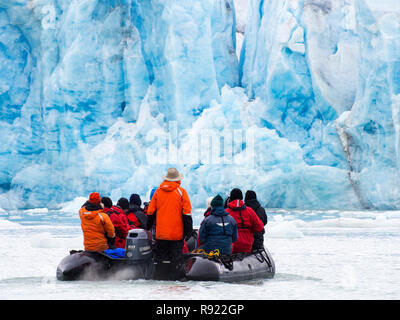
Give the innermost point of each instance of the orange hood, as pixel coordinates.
(90, 210)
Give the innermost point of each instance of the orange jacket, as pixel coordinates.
(170, 202)
(95, 226)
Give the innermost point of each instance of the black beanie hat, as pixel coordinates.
(250, 195)
(123, 203)
(236, 194)
(217, 201)
(135, 199)
(107, 202)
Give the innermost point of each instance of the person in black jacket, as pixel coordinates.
(135, 208)
(252, 202)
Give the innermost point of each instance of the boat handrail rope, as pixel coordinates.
(211, 254)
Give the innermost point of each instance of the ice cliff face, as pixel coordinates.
(370, 130)
(328, 72)
(70, 69)
(89, 88)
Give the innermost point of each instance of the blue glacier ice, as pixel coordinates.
(107, 94)
(370, 130)
(328, 72)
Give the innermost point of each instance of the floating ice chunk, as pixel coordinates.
(36, 211)
(284, 229)
(379, 222)
(73, 206)
(5, 224)
(47, 240)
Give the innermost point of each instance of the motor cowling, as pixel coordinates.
(138, 246)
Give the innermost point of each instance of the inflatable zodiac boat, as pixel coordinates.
(136, 262)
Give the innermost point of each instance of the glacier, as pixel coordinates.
(298, 100)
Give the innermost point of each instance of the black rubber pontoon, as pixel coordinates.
(95, 265)
(237, 267)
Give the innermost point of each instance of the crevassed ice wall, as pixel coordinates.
(307, 116)
(329, 74)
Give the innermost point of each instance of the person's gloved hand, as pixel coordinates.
(111, 242)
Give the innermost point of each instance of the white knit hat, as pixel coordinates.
(208, 202)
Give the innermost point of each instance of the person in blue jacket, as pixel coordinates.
(218, 230)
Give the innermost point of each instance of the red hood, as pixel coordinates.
(169, 185)
(236, 204)
(107, 210)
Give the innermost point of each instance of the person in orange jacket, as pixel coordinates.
(171, 204)
(96, 225)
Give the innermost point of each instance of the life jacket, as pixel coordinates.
(121, 213)
(121, 226)
(248, 223)
(137, 217)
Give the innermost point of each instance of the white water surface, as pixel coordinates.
(318, 255)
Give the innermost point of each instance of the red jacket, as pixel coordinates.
(133, 221)
(207, 212)
(118, 219)
(122, 215)
(248, 223)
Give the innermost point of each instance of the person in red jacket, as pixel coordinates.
(246, 219)
(118, 218)
(123, 205)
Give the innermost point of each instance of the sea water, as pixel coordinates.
(318, 255)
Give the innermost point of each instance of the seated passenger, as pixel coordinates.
(123, 207)
(246, 219)
(250, 199)
(219, 229)
(123, 204)
(96, 225)
(135, 212)
(119, 221)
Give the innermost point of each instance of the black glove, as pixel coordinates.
(110, 242)
(150, 221)
(187, 226)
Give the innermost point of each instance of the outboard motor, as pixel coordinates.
(138, 246)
